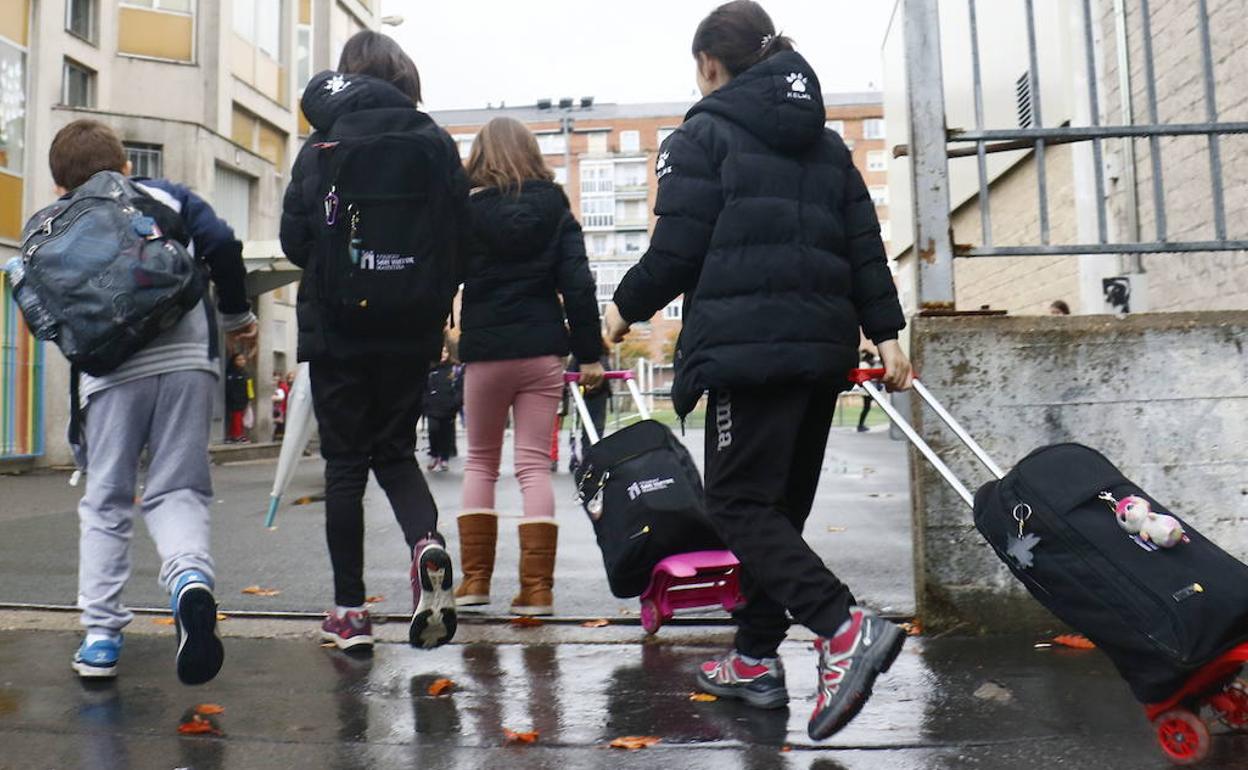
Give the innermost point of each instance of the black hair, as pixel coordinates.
(372, 53)
(740, 34)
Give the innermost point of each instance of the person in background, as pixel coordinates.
(240, 389)
(869, 361)
(443, 397)
(529, 300)
(767, 229)
(1059, 307)
(281, 392)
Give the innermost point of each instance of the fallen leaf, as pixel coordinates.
(209, 709)
(993, 691)
(441, 687)
(162, 621)
(198, 725)
(519, 739)
(702, 697)
(599, 623)
(634, 742)
(525, 621)
(912, 628)
(378, 599)
(258, 591)
(836, 529)
(1074, 641)
(786, 748)
(221, 616)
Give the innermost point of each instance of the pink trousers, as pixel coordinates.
(531, 388)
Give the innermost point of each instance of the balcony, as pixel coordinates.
(638, 191)
(632, 223)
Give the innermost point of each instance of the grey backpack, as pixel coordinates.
(103, 272)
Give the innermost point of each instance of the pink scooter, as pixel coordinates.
(682, 581)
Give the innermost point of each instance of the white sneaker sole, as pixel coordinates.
(435, 619)
(87, 671)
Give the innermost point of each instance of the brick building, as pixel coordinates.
(605, 154)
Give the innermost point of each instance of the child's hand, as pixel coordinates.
(898, 374)
(591, 376)
(617, 327)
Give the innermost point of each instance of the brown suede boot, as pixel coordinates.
(538, 542)
(478, 534)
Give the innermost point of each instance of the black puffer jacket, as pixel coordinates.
(768, 230)
(325, 101)
(529, 253)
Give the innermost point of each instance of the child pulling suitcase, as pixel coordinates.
(1166, 605)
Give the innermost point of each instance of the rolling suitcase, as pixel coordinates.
(1168, 607)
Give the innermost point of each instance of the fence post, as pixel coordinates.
(929, 163)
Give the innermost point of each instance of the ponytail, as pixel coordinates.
(740, 34)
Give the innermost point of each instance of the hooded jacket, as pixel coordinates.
(529, 253)
(328, 98)
(766, 227)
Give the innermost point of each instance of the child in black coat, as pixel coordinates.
(443, 399)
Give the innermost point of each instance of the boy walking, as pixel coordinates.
(159, 399)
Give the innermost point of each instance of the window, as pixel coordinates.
(561, 175)
(552, 144)
(873, 128)
(836, 125)
(597, 212)
(879, 194)
(145, 159)
(630, 212)
(673, 311)
(303, 54)
(630, 141)
(259, 23)
(598, 143)
(664, 133)
(631, 174)
(597, 178)
(12, 108)
(886, 230)
(231, 200)
(464, 143)
(157, 29)
(877, 160)
(173, 6)
(598, 245)
(78, 86)
(634, 244)
(80, 19)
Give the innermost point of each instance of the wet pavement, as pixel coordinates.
(947, 703)
(861, 526)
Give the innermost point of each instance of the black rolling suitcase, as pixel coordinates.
(643, 494)
(1160, 613)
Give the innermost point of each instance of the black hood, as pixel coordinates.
(517, 226)
(777, 100)
(331, 95)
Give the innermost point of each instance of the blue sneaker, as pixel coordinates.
(200, 653)
(99, 659)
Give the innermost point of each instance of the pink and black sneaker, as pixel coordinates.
(434, 619)
(759, 684)
(353, 630)
(848, 666)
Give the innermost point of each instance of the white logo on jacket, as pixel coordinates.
(797, 86)
(661, 168)
(336, 83)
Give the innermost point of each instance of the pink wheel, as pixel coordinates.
(1183, 736)
(651, 620)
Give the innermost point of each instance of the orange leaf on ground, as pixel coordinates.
(524, 620)
(197, 725)
(599, 623)
(786, 748)
(209, 709)
(258, 591)
(1074, 641)
(702, 697)
(163, 621)
(441, 686)
(912, 628)
(221, 616)
(519, 739)
(378, 599)
(634, 742)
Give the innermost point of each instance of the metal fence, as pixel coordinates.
(932, 144)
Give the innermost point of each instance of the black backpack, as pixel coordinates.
(103, 272)
(1159, 614)
(383, 266)
(644, 495)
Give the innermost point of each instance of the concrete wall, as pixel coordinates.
(1165, 396)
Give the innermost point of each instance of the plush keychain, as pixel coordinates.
(1136, 517)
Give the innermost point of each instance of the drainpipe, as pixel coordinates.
(1132, 263)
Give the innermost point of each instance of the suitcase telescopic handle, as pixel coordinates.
(572, 379)
(869, 380)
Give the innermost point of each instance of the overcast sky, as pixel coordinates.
(474, 52)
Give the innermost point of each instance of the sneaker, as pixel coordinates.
(351, 631)
(433, 464)
(848, 665)
(443, 466)
(97, 660)
(200, 653)
(863, 429)
(758, 684)
(433, 616)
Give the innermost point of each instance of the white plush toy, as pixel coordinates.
(1163, 530)
(1132, 512)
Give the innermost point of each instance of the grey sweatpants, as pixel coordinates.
(170, 415)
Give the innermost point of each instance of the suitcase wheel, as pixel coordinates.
(651, 619)
(1183, 736)
(1231, 705)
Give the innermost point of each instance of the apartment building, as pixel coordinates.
(605, 156)
(204, 92)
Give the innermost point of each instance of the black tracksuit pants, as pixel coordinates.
(367, 410)
(441, 436)
(764, 453)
